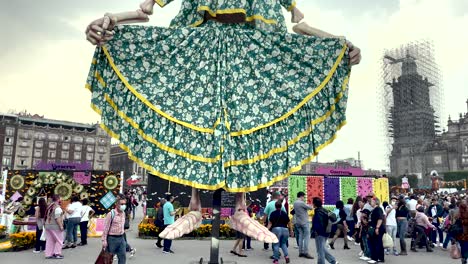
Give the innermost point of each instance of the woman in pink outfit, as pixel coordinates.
(54, 229)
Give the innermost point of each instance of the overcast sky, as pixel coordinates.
(45, 58)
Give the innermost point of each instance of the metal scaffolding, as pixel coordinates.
(410, 96)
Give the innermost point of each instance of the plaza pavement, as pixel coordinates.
(190, 251)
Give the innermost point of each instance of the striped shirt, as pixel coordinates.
(117, 227)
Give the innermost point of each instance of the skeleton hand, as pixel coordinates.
(296, 15)
(147, 6)
(100, 30)
(354, 54)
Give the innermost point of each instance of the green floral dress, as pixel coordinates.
(220, 105)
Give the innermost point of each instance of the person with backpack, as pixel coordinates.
(341, 226)
(321, 225)
(278, 223)
(113, 235)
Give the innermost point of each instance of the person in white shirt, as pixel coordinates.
(412, 204)
(74, 218)
(391, 223)
(86, 213)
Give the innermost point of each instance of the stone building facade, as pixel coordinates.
(445, 152)
(28, 140)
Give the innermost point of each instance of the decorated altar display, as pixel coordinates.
(100, 187)
(334, 188)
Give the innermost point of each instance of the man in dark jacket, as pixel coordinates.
(160, 220)
(436, 212)
(319, 227)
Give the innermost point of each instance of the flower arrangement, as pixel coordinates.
(226, 231)
(150, 230)
(23, 240)
(203, 231)
(2, 231)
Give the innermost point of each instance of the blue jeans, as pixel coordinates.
(402, 226)
(116, 245)
(435, 232)
(322, 251)
(72, 229)
(464, 249)
(447, 240)
(167, 243)
(248, 241)
(283, 234)
(351, 227)
(304, 236)
(365, 243)
(296, 234)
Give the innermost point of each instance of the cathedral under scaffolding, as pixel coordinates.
(411, 103)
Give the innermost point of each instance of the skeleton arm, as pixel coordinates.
(100, 30)
(304, 29)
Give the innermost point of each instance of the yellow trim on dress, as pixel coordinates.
(293, 5)
(291, 141)
(154, 141)
(157, 173)
(99, 78)
(96, 109)
(88, 86)
(290, 171)
(148, 103)
(218, 157)
(223, 184)
(160, 3)
(304, 101)
(209, 130)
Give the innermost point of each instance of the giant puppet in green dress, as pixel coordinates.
(223, 98)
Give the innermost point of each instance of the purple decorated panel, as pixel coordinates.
(332, 190)
(82, 177)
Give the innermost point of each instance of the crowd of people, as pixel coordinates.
(427, 221)
(57, 225)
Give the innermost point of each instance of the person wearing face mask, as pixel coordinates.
(113, 236)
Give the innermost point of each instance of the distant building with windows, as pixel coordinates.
(119, 161)
(28, 140)
(444, 153)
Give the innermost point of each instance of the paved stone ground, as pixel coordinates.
(190, 251)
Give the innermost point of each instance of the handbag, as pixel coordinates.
(455, 251)
(456, 228)
(387, 241)
(43, 235)
(104, 257)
